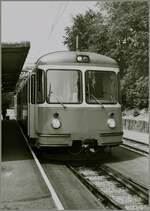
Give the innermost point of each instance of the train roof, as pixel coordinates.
(70, 57)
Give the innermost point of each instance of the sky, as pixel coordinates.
(41, 23)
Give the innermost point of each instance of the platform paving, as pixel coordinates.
(137, 136)
(70, 190)
(21, 184)
(23, 188)
(132, 165)
(135, 169)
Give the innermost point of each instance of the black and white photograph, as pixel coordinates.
(75, 105)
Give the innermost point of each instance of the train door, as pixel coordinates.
(36, 119)
(31, 110)
(28, 105)
(37, 98)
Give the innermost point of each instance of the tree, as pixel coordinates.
(84, 26)
(118, 30)
(128, 34)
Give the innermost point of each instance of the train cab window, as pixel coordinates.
(64, 86)
(101, 86)
(40, 79)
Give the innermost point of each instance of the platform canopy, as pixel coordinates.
(13, 59)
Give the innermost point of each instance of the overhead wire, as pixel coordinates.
(59, 15)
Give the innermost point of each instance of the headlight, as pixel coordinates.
(83, 59)
(79, 58)
(56, 123)
(111, 123)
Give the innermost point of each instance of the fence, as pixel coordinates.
(136, 125)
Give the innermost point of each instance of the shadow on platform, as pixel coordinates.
(14, 146)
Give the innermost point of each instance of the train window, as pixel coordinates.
(33, 89)
(40, 97)
(64, 86)
(119, 87)
(101, 86)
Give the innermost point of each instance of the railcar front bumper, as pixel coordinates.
(114, 138)
(54, 140)
(99, 139)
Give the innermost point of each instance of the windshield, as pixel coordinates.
(64, 86)
(101, 87)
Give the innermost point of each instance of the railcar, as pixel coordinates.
(71, 99)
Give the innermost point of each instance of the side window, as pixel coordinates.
(40, 84)
(119, 88)
(33, 89)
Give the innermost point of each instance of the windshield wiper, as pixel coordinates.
(97, 101)
(49, 94)
(60, 102)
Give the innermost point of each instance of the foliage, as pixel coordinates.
(118, 30)
(83, 27)
(134, 92)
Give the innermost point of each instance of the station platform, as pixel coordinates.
(135, 167)
(136, 136)
(70, 190)
(21, 184)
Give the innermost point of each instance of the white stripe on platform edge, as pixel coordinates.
(57, 201)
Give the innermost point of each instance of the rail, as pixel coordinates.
(136, 146)
(114, 191)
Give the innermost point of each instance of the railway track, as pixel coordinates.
(65, 188)
(113, 190)
(136, 146)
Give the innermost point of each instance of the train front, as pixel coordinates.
(80, 104)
